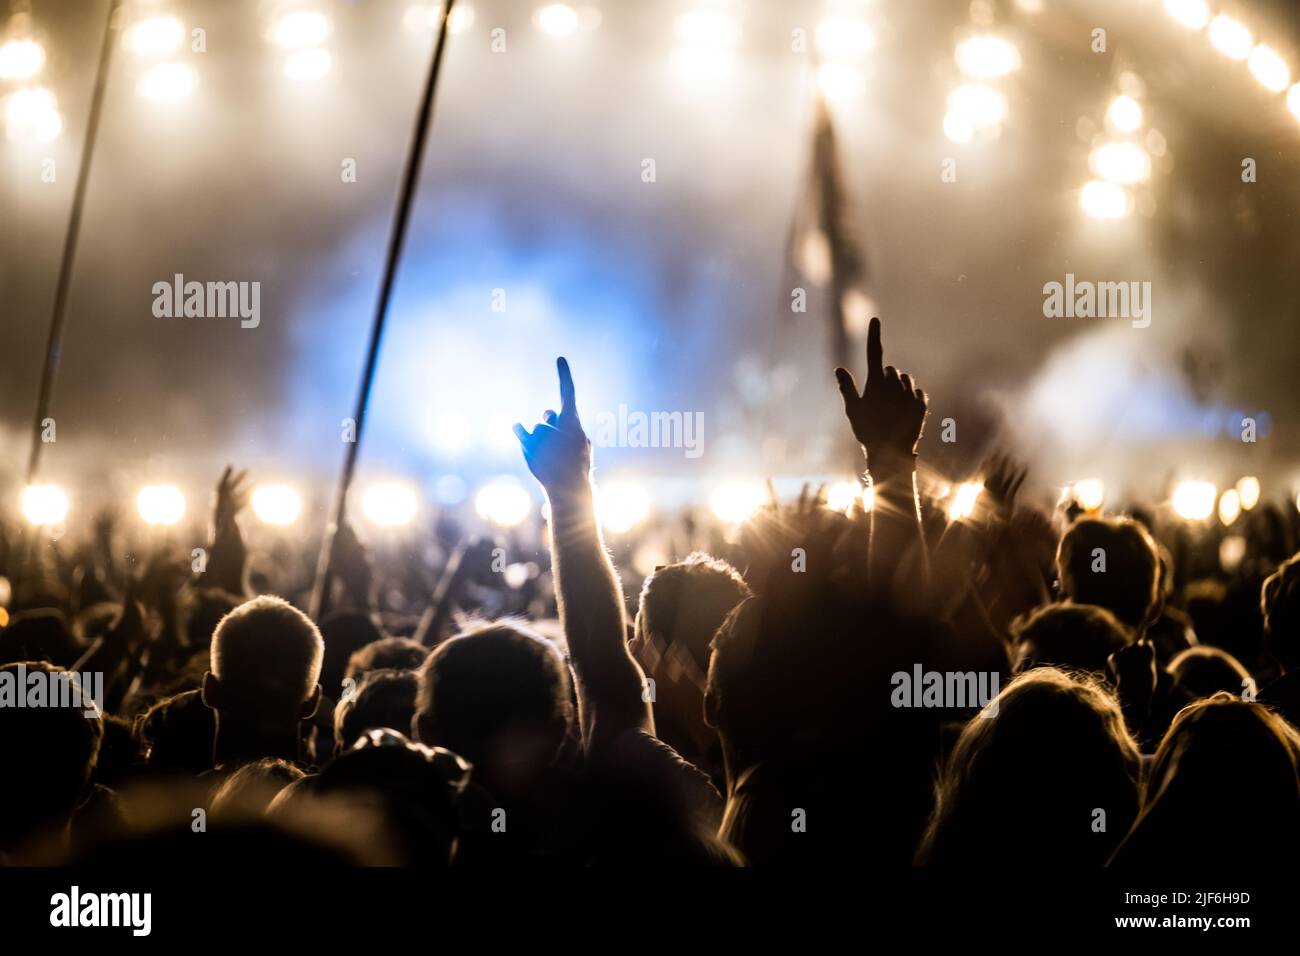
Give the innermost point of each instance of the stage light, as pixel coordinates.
(503, 502)
(21, 59)
(44, 504)
(1121, 163)
(300, 29)
(1269, 68)
(1193, 14)
(276, 504)
(425, 17)
(557, 20)
(1248, 492)
(1230, 38)
(964, 499)
(308, 65)
(706, 45)
(621, 506)
(452, 433)
(168, 82)
(840, 81)
(868, 497)
(389, 504)
(841, 495)
(160, 504)
(1103, 200)
(987, 56)
(844, 37)
(32, 116)
(1194, 500)
(977, 105)
(1232, 549)
(734, 501)
(154, 36)
(1125, 114)
(1229, 506)
(1293, 100)
(1089, 493)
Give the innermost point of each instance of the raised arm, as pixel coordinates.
(590, 598)
(887, 419)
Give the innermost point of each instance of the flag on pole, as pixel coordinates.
(823, 246)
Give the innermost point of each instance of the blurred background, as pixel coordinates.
(980, 151)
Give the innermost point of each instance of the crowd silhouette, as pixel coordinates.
(741, 711)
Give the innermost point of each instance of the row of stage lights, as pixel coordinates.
(707, 42)
(623, 505)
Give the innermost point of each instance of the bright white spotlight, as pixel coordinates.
(21, 59)
(308, 65)
(154, 36)
(1194, 500)
(1229, 506)
(1103, 200)
(1120, 163)
(557, 20)
(1230, 38)
(1089, 493)
(841, 81)
(1293, 100)
(32, 116)
(734, 501)
(706, 42)
(300, 29)
(168, 82)
(1248, 492)
(987, 56)
(1125, 114)
(977, 105)
(389, 504)
(844, 37)
(1269, 68)
(621, 506)
(1193, 14)
(160, 504)
(44, 504)
(276, 504)
(503, 502)
(964, 499)
(841, 495)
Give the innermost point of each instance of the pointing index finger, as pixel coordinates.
(568, 403)
(875, 351)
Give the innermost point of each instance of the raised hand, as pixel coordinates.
(1003, 477)
(557, 450)
(232, 498)
(887, 417)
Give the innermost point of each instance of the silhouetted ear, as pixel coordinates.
(311, 703)
(712, 707)
(211, 692)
